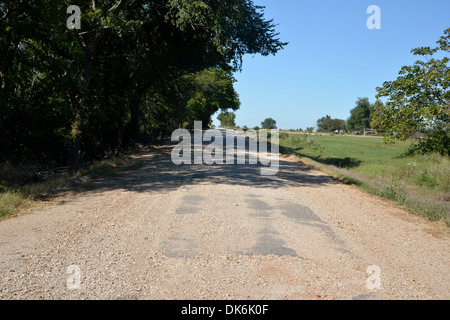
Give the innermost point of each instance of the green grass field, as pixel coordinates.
(420, 183)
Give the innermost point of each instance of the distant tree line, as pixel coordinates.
(363, 115)
(327, 124)
(417, 106)
(228, 120)
(134, 72)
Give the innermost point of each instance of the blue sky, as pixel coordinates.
(332, 57)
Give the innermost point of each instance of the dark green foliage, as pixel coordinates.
(227, 119)
(436, 139)
(135, 71)
(418, 103)
(327, 124)
(269, 123)
(360, 115)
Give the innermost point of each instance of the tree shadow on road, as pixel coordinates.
(160, 174)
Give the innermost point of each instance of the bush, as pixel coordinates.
(436, 140)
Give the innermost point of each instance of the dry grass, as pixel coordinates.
(20, 184)
(10, 202)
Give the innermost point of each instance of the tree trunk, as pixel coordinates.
(134, 123)
(77, 133)
(135, 114)
(78, 124)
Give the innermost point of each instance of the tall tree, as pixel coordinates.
(418, 100)
(111, 83)
(227, 119)
(377, 115)
(327, 124)
(269, 123)
(360, 115)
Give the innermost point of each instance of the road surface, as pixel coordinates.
(162, 231)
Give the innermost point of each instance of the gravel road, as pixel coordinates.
(163, 231)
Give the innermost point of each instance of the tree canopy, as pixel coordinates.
(327, 124)
(359, 115)
(269, 123)
(377, 115)
(135, 71)
(419, 99)
(227, 119)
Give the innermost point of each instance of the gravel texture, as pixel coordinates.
(221, 232)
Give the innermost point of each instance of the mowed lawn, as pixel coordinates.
(420, 182)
